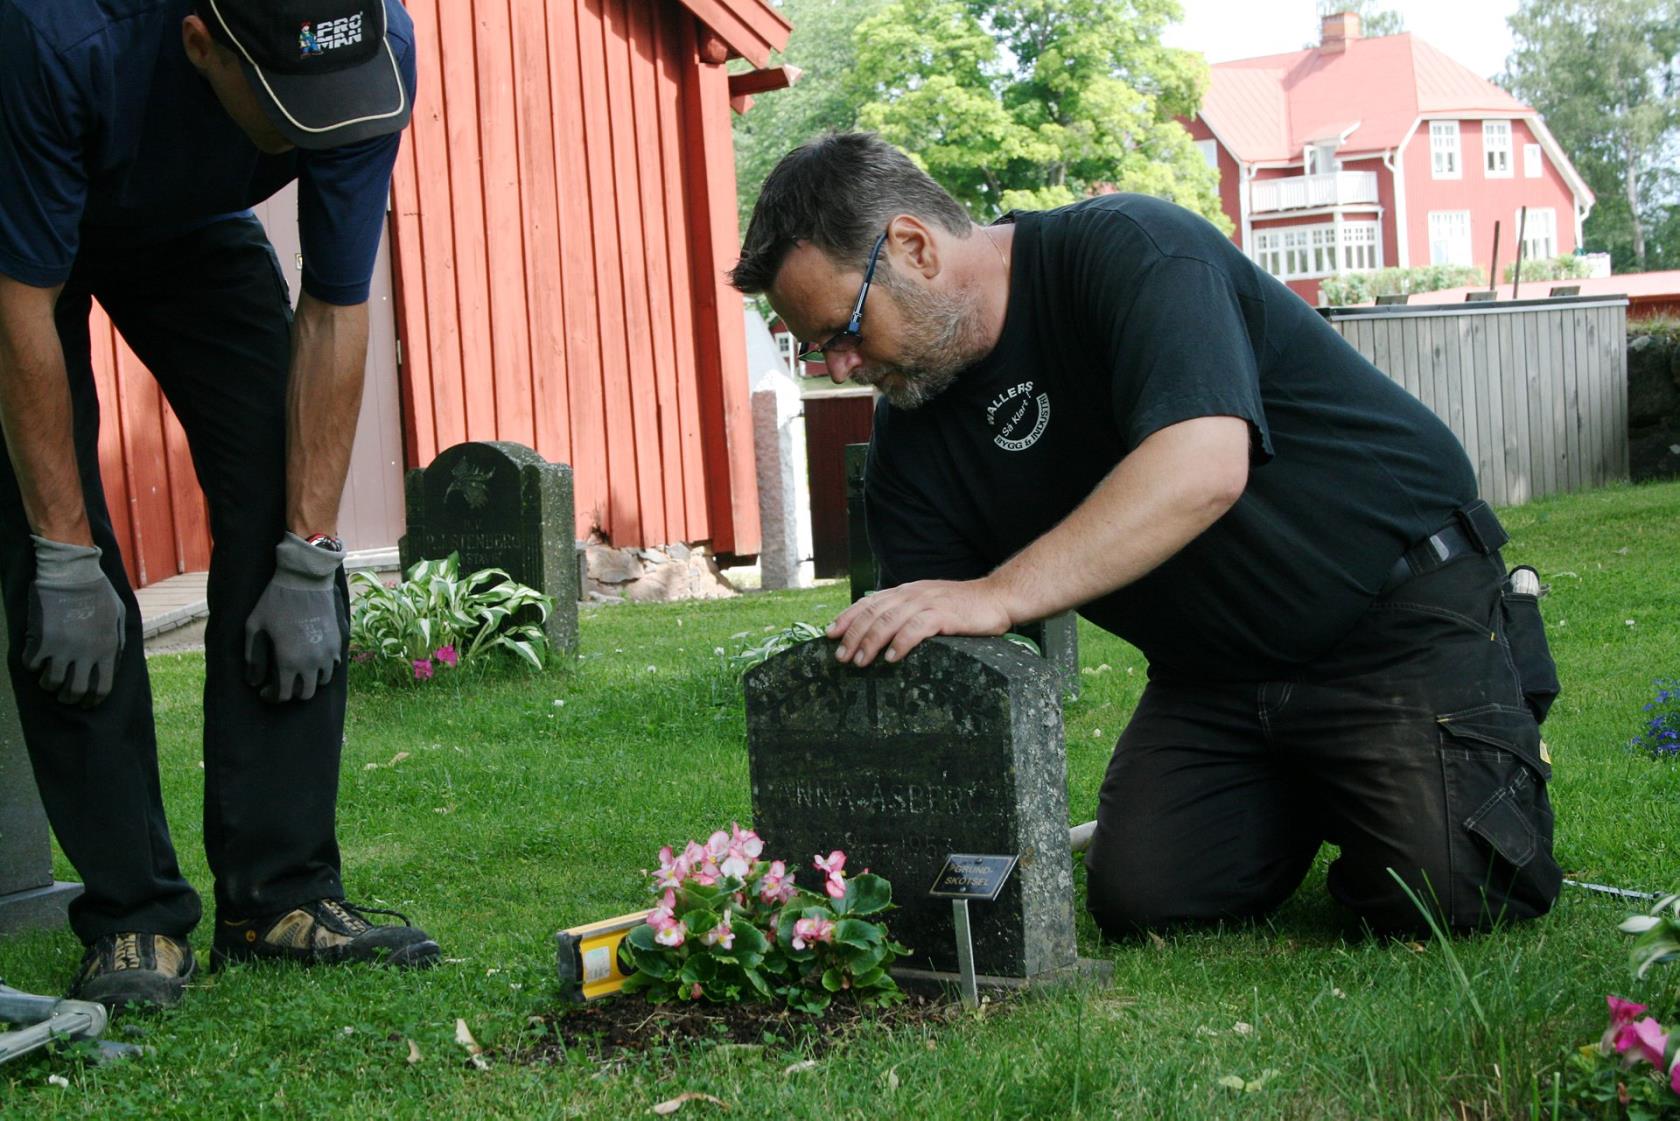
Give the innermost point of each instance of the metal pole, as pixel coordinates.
(1516, 269)
(1493, 269)
(965, 953)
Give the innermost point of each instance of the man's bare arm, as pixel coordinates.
(36, 414)
(329, 352)
(1158, 499)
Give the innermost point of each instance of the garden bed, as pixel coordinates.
(618, 1027)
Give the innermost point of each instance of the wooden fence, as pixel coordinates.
(1536, 390)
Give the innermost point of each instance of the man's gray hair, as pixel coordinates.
(838, 192)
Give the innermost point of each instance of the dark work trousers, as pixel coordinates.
(207, 312)
(1409, 746)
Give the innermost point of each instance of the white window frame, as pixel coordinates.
(1496, 149)
(1533, 166)
(788, 347)
(1311, 252)
(1210, 152)
(1446, 159)
(1540, 239)
(1450, 241)
(1319, 159)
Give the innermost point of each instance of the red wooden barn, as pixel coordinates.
(562, 214)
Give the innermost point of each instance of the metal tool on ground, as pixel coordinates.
(588, 956)
(41, 1020)
(969, 876)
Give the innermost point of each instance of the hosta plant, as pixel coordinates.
(436, 619)
(730, 925)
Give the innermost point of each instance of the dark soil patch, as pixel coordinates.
(623, 1026)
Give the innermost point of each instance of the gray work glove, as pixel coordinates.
(294, 640)
(74, 634)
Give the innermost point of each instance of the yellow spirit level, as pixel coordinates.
(588, 957)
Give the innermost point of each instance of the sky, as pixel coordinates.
(1473, 32)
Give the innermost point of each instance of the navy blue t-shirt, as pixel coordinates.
(109, 137)
(1128, 314)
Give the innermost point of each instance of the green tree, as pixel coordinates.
(1374, 22)
(821, 45)
(1604, 75)
(1034, 103)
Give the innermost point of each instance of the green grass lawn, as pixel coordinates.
(525, 804)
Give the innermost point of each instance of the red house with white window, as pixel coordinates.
(1361, 154)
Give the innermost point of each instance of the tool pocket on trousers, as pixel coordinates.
(1495, 784)
(1525, 631)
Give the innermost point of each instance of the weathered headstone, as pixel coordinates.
(860, 558)
(29, 897)
(500, 505)
(958, 748)
(1057, 637)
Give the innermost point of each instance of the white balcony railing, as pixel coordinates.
(1304, 192)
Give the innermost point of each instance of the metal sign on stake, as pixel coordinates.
(968, 876)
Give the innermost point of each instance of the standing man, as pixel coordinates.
(1108, 406)
(134, 135)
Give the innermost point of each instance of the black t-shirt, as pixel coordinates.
(1128, 314)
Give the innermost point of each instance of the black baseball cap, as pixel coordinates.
(323, 70)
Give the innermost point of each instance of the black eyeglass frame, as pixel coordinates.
(852, 335)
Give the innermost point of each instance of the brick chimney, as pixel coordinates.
(1340, 29)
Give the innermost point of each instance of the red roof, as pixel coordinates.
(752, 29)
(1265, 110)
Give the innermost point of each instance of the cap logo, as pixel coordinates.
(329, 34)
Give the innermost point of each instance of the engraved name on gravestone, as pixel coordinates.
(1057, 637)
(29, 897)
(958, 748)
(500, 505)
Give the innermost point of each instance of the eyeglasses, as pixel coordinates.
(850, 338)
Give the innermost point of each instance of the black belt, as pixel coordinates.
(1473, 529)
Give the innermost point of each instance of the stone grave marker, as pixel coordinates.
(29, 897)
(1057, 637)
(500, 505)
(958, 748)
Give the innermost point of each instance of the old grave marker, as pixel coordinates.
(958, 748)
(500, 505)
(29, 897)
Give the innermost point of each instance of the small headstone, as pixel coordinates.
(29, 897)
(860, 559)
(500, 505)
(1057, 637)
(956, 749)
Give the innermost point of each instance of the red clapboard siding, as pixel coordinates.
(565, 211)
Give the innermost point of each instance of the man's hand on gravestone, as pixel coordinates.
(294, 640)
(73, 636)
(897, 619)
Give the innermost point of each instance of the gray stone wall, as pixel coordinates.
(1653, 406)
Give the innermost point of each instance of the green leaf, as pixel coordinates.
(866, 895)
(856, 932)
(833, 980)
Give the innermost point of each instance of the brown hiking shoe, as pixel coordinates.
(138, 970)
(326, 931)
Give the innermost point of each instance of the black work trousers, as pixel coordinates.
(208, 314)
(1409, 746)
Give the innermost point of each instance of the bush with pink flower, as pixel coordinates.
(730, 925)
(437, 619)
(1633, 1071)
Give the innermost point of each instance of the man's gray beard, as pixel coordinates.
(933, 360)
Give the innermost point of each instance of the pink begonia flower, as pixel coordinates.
(665, 912)
(1622, 1013)
(672, 869)
(833, 865)
(671, 934)
(422, 669)
(736, 864)
(745, 840)
(695, 992)
(808, 932)
(722, 934)
(1674, 1076)
(447, 655)
(717, 845)
(776, 886)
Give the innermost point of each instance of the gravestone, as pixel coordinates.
(30, 899)
(1057, 637)
(957, 748)
(500, 505)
